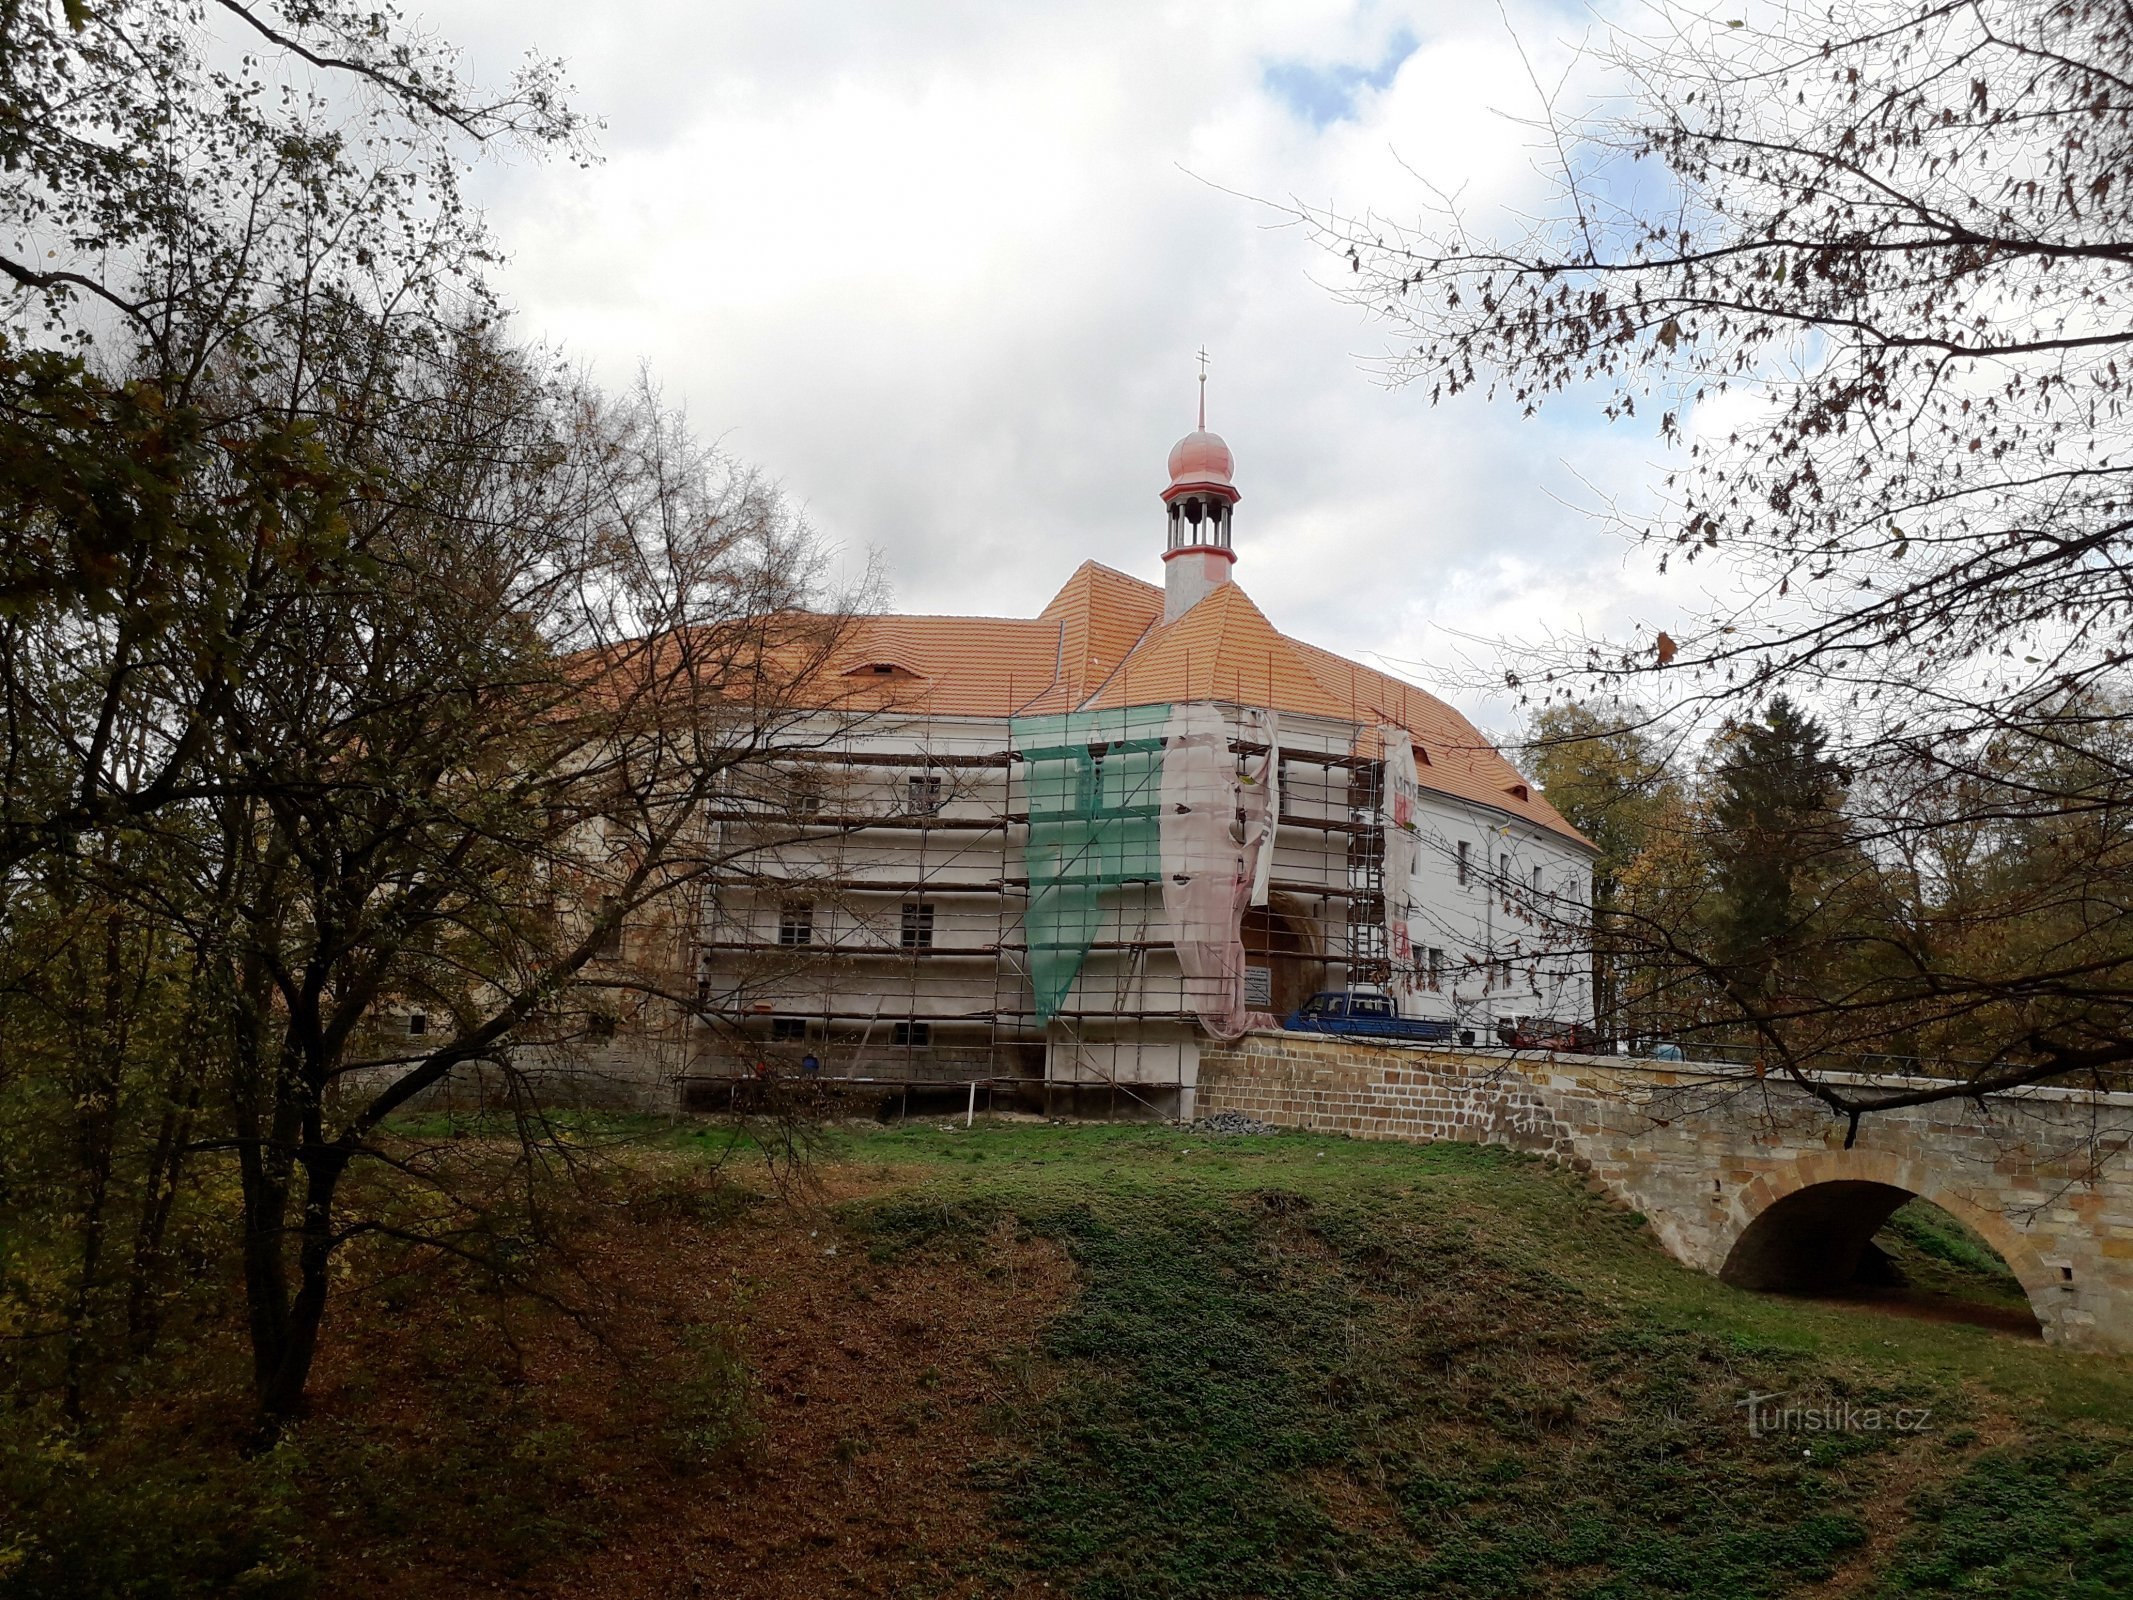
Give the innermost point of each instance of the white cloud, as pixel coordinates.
(940, 269)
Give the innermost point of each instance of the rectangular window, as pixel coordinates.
(1465, 862)
(796, 922)
(418, 1023)
(803, 798)
(611, 934)
(911, 1033)
(1536, 883)
(1436, 968)
(788, 1029)
(924, 792)
(918, 926)
(1503, 972)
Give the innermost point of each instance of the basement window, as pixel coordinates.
(910, 1034)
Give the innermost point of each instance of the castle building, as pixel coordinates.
(1065, 850)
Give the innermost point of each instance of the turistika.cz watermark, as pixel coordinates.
(1769, 1413)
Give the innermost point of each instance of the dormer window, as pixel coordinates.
(888, 671)
(1518, 791)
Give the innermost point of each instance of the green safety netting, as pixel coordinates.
(1094, 782)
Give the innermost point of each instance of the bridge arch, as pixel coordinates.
(1806, 1224)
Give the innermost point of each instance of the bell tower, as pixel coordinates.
(1199, 503)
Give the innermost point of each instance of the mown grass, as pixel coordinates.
(1315, 1368)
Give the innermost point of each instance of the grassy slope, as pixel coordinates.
(1280, 1367)
(1307, 1367)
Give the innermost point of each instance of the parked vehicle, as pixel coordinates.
(1538, 1033)
(1371, 1016)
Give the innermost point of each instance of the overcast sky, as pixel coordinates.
(940, 268)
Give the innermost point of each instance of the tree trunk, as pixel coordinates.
(283, 1370)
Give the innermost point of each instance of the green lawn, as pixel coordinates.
(1308, 1367)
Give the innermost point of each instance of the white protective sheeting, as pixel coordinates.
(1403, 855)
(1216, 832)
(1264, 727)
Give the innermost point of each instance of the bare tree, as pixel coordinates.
(354, 660)
(185, 187)
(1898, 234)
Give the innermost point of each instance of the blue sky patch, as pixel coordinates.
(1327, 94)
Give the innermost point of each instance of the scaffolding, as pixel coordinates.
(937, 902)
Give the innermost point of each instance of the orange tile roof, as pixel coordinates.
(1104, 614)
(1452, 757)
(955, 666)
(1222, 649)
(1101, 643)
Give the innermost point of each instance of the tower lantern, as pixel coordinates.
(1199, 503)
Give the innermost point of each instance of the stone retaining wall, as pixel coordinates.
(1704, 1152)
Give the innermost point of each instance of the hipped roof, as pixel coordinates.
(1101, 643)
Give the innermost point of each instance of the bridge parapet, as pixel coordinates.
(1743, 1176)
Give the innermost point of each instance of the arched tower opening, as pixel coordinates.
(1284, 945)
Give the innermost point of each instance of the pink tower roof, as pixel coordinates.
(1200, 458)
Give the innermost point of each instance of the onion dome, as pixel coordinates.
(1201, 459)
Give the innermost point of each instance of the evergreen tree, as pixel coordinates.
(1777, 805)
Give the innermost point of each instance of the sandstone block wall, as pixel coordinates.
(2044, 1176)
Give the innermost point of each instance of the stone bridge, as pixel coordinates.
(1743, 1177)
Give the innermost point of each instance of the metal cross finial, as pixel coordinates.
(1203, 388)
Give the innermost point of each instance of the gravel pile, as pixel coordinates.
(1224, 1123)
